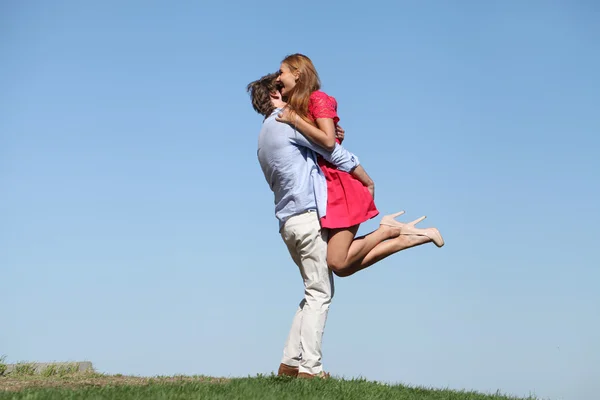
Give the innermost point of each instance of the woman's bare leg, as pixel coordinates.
(381, 251)
(343, 251)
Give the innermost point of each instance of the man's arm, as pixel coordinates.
(360, 174)
(340, 157)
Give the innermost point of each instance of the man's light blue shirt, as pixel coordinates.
(289, 163)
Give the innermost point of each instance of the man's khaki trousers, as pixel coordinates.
(307, 244)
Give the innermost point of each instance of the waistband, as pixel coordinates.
(310, 213)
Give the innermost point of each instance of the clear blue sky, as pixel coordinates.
(137, 230)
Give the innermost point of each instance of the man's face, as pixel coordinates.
(287, 79)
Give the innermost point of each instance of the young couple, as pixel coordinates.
(322, 195)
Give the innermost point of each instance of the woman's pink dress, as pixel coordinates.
(349, 202)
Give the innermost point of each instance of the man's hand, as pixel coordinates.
(371, 189)
(288, 116)
(339, 133)
(360, 174)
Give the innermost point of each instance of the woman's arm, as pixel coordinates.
(323, 134)
(321, 138)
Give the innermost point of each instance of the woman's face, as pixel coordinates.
(286, 78)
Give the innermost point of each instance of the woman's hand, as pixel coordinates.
(287, 116)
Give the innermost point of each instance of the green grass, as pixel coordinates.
(97, 386)
(60, 370)
(2, 365)
(24, 369)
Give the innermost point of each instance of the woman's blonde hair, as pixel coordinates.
(308, 82)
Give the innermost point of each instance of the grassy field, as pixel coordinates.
(116, 387)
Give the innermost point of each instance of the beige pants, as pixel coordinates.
(307, 245)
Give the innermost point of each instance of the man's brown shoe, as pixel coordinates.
(286, 370)
(321, 375)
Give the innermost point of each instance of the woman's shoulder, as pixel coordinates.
(319, 95)
(322, 98)
(321, 105)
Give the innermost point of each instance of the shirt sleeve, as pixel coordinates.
(339, 156)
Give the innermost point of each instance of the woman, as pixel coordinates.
(350, 201)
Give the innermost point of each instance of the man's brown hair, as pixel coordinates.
(260, 92)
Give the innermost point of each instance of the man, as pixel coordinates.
(289, 163)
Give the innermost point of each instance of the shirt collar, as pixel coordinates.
(275, 111)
